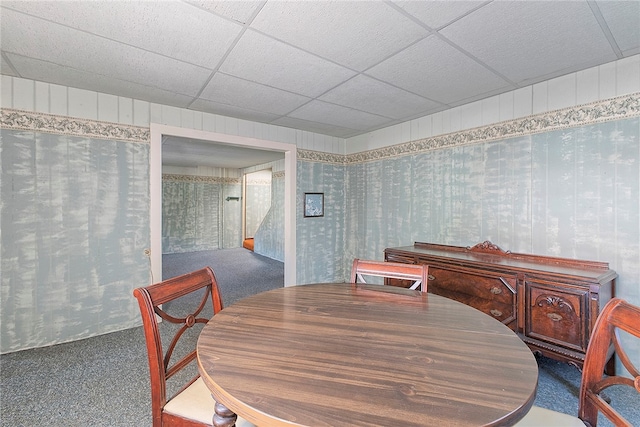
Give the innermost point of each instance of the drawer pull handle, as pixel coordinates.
(496, 290)
(431, 277)
(554, 316)
(496, 313)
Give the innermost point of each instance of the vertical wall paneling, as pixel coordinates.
(522, 102)
(587, 86)
(6, 92)
(108, 108)
(424, 184)
(141, 113)
(269, 238)
(187, 119)
(170, 115)
(405, 134)
(446, 122)
(506, 107)
(75, 223)
(257, 200)
(562, 92)
(83, 103)
(320, 240)
(245, 128)
(125, 110)
(625, 136)
(436, 124)
(454, 118)
(231, 213)
(58, 100)
(570, 193)
(628, 75)
(471, 115)
(355, 215)
(608, 80)
(42, 100)
(602, 181)
(190, 215)
(23, 94)
(489, 111)
(540, 98)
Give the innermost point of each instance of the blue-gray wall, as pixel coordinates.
(191, 219)
(75, 223)
(320, 240)
(570, 193)
(196, 215)
(231, 214)
(75, 216)
(258, 200)
(269, 239)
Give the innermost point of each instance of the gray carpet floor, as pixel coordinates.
(103, 381)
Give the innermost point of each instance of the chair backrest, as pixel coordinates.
(617, 315)
(391, 270)
(150, 300)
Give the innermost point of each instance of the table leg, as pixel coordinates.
(223, 417)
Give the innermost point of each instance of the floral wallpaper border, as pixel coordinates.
(49, 123)
(601, 111)
(320, 157)
(611, 109)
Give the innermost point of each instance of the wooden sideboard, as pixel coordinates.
(551, 303)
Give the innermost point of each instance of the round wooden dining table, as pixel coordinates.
(364, 355)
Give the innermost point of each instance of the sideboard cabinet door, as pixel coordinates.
(557, 315)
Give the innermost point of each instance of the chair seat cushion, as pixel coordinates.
(196, 403)
(538, 417)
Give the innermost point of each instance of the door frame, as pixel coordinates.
(155, 183)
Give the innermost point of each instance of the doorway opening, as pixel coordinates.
(256, 203)
(289, 150)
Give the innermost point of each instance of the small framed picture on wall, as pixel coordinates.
(313, 204)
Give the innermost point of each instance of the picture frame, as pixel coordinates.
(313, 205)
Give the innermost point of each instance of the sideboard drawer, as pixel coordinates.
(489, 292)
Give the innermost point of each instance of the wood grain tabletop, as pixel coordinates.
(365, 355)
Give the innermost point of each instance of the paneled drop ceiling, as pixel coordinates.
(339, 68)
(188, 152)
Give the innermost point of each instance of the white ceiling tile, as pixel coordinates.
(323, 112)
(331, 30)
(240, 11)
(46, 72)
(312, 126)
(76, 49)
(532, 39)
(6, 69)
(435, 14)
(279, 54)
(434, 69)
(623, 19)
(189, 152)
(232, 111)
(273, 63)
(174, 29)
(231, 90)
(370, 95)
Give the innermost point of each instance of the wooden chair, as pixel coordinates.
(617, 315)
(391, 270)
(192, 405)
